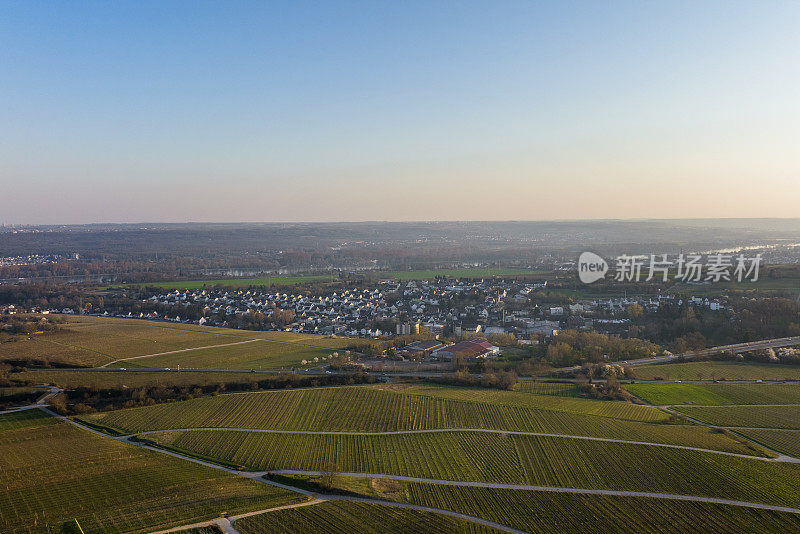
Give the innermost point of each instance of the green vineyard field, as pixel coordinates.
(52, 472)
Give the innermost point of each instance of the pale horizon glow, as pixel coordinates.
(379, 111)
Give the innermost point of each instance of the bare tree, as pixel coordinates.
(329, 475)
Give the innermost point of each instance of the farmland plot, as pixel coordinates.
(361, 409)
(503, 458)
(52, 472)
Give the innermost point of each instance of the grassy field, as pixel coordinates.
(750, 416)
(52, 472)
(547, 512)
(96, 341)
(785, 441)
(718, 371)
(364, 409)
(506, 458)
(720, 394)
(346, 517)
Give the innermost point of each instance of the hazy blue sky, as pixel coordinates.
(268, 111)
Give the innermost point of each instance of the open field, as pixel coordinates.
(363, 409)
(52, 472)
(750, 416)
(504, 458)
(720, 394)
(341, 517)
(95, 341)
(718, 371)
(785, 441)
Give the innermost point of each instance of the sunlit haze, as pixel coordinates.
(351, 111)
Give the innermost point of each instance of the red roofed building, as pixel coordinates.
(471, 348)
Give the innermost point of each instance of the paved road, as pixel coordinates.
(439, 430)
(179, 351)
